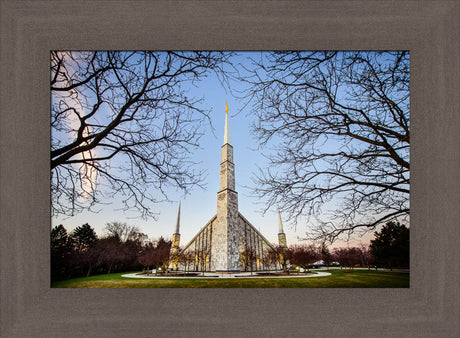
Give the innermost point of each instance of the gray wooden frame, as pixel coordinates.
(30, 29)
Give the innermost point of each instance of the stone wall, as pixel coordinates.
(225, 251)
(282, 240)
(206, 247)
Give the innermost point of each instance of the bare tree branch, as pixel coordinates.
(122, 124)
(336, 129)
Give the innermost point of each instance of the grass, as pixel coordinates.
(338, 279)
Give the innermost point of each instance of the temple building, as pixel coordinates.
(228, 243)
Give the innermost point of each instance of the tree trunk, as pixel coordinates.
(89, 270)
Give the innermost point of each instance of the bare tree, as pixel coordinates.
(202, 258)
(283, 256)
(366, 256)
(122, 124)
(339, 122)
(326, 255)
(348, 256)
(340, 256)
(110, 252)
(267, 261)
(155, 255)
(272, 257)
(125, 232)
(247, 258)
(186, 258)
(145, 256)
(304, 256)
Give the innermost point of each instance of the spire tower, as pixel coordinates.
(281, 235)
(176, 235)
(177, 221)
(227, 131)
(225, 248)
(219, 244)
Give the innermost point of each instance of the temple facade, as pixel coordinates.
(228, 243)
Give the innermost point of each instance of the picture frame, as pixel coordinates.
(30, 307)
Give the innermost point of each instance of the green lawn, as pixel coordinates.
(338, 279)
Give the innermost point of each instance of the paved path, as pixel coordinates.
(213, 275)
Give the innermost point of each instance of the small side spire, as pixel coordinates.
(178, 221)
(227, 131)
(281, 235)
(280, 223)
(175, 249)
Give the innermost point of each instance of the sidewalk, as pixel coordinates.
(232, 275)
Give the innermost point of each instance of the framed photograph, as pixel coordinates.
(320, 136)
(39, 34)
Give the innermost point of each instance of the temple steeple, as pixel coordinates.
(225, 249)
(227, 131)
(218, 245)
(281, 235)
(177, 221)
(280, 223)
(176, 235)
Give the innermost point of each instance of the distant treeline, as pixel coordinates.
(123, 248)
(388, 249)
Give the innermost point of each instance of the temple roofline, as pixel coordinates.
(199, 232)
(257, 231)
(243, 218)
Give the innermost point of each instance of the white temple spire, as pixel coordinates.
(280, 223)
(281, 235)
(178, 221)
(175, 249)
(227, 131)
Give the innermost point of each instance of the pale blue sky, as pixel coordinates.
(200, 205)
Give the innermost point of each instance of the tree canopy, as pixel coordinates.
(335, 128)
(390, 247)
(84, 236)
(333, 125)
(122, 248)
(122, 124)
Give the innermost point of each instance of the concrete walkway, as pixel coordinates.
(233, 275)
